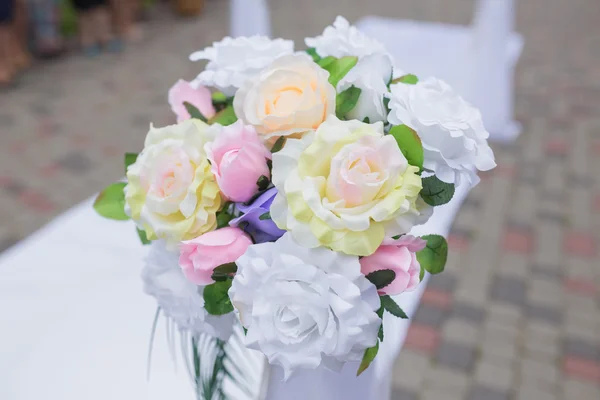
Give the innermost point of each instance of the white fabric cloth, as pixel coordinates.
(478, 60)
(249, 18)
(75, 323)
(376, 382)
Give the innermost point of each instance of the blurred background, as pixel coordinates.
(516, 315)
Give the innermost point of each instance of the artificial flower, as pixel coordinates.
(451, 130)
(171, 192)
(371, 75)
(238, 159)
(200, 256)
(291, 96)
(399, 256)
(346, 187)
(372, 72)
(261, 230)
(343, 39)
(178, 298)
(231, 62)
(304, 307)
(199, 97)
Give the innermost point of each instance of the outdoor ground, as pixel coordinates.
(516, 315)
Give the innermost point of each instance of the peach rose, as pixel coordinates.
(291, 96)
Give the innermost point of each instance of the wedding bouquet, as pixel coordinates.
(284, 197)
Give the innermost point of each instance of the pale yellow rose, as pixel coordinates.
(171, 192)
(346, 186)
(291, 96)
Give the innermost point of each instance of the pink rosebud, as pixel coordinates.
(200, 98)
(199, 257)
(399, 256)
(238, 159)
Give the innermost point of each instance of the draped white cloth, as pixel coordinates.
(477, 60)
(249, 17)
(75, 323)
(376, 382)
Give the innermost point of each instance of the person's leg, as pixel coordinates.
(86, 32)
(7, 71)
(133, 30)
(103, 32)
(45, 23)
(123, 12)
(19, 43)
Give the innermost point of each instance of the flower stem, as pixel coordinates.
(196, 367)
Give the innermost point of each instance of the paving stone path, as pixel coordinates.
(517, 314)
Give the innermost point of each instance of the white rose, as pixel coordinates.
(451, 130)
(178, 298)
(367, 76)
(291, 96)
(372, 72)
(342, 39)
(232, 61)
(305, 307)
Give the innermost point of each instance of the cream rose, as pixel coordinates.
(291, 96)
(171, 192)
(346, 187)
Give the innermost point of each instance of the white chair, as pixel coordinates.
(249, 17)
(477, 60)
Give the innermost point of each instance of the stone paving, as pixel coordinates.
(517, 313)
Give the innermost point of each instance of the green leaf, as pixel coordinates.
(386, 104)
(224, 272)
(143, 237)
(220, 101)
(381, 278)
(262, 182)
(380, 333)
(278, 145)
(366, 120)
(265, 216)
(368, 358)
(421, 273)
(313, 53)
(130, 158)
(436, 192)
(433, 257)
(326, 61)
(392, 307)
(110, 203)
(409, 79)
(229, 268)
(409, 144)
(346, 101)
(216, 299)
(223, 218)
(338, 68)
(219, 98)
(224, 117)
(194, 112)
